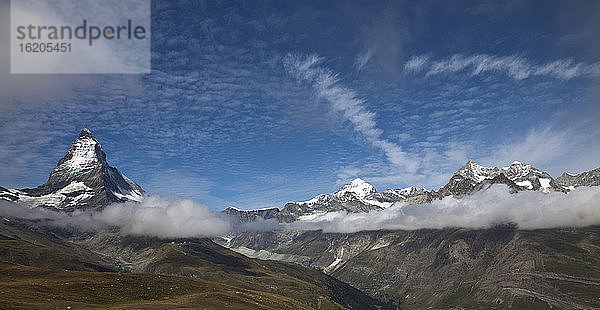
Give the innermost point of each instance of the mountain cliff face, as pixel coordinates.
(251, 215)
(82, 180)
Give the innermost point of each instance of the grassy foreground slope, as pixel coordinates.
(24, 287)
(40, 269)
(204, 259)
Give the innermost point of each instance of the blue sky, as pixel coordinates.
(255, 104)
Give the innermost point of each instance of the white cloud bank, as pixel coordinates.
(154, 216)
(484, 209)
(165, 218)
(184, 218)
(516, 67)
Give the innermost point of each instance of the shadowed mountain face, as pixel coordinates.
(501, 267)
(81, 180)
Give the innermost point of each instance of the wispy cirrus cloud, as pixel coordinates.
(362, 60)
(514, 66)
(416, 63)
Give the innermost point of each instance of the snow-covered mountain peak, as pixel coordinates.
(520, 175)
(85, 154)
(474, 171)
(358, 187)
(86, 133)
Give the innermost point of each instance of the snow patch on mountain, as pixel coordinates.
(74, 187)
(526, 184)
(74, 193)
(545, 183)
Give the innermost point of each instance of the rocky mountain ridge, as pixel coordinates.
(588, 178)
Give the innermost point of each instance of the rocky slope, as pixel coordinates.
(203, 259)
(81, 180)
(502, 267)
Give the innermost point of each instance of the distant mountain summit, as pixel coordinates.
(356, 196)
(82, 180)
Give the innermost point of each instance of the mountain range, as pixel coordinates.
(502, 267)
(360, 196)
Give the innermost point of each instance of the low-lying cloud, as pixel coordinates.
(165, 218)
(154, 216)
(484, 209)
(181, 218)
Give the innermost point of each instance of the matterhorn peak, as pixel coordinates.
(82, 179)
(86, 134)
(85, 153)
